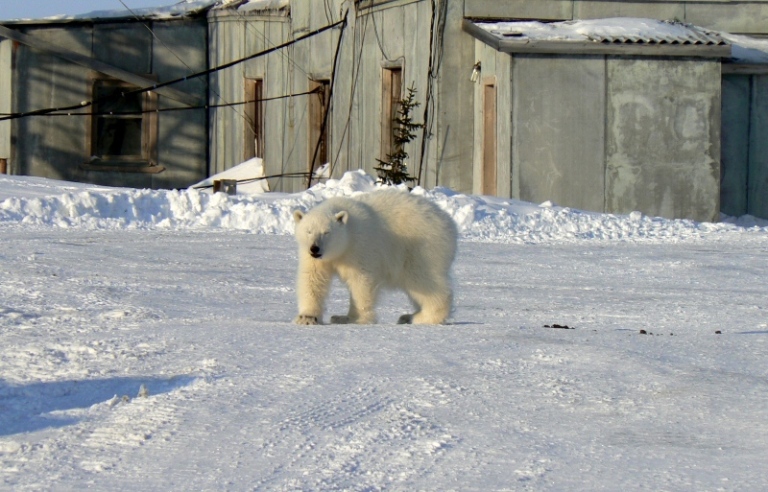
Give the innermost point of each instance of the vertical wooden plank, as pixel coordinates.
(6, 105)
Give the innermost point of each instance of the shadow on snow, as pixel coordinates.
(32, 407)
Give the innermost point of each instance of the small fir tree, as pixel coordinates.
(394, 170)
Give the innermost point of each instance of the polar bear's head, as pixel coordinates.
(322, 233)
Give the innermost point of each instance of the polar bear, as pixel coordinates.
(383, 239)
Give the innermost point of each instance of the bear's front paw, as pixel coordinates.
(405, 319)
(306, 319)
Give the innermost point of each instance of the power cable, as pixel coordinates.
(186, 108)
(352, 92)
(171, 51)
(154, 87)
(330, 98)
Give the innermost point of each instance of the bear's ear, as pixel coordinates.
(342, 217)
(298, 215)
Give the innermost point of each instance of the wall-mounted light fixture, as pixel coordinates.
(475, 72)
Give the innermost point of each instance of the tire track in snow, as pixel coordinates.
(125, 425)
(364, 438)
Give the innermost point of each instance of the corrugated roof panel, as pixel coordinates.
(613, 31)
(669, 33)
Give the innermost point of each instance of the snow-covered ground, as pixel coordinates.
(146, 344)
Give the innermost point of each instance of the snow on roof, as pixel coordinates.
(254, 5)
(746, 49)
(612, 30)
(178, 9)
(625, 31)
(183, 8)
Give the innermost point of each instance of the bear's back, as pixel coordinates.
(411, 216)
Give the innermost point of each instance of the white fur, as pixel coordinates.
(384, 239)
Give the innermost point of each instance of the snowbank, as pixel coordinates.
(483, 219)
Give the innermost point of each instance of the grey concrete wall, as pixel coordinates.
(558, 130)
(663, 137)
(617, 135)
(519, 9)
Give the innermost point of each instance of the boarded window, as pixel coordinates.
(123, 126)
(319, 133)
(392, 93)
(254, 119)
(489, 139)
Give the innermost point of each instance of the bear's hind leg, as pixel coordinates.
(432, 309)
(350, 317)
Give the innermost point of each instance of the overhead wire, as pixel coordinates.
(156, 86)
(185, 108)
(285, 54)
(324, 125)
(353, 90)
(172, 52)
(436, 30)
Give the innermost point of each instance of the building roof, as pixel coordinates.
(614, 30)
(176, 10)
(612, 36)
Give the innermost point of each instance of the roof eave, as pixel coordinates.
(595, 48)
(191, 14)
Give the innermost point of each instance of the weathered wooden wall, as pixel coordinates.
(6, 101)
(56, 147)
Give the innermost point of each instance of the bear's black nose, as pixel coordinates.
(314, 251)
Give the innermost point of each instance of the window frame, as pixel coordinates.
(391, 95)
(146, 160)
(253, 132)
(319, 103)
